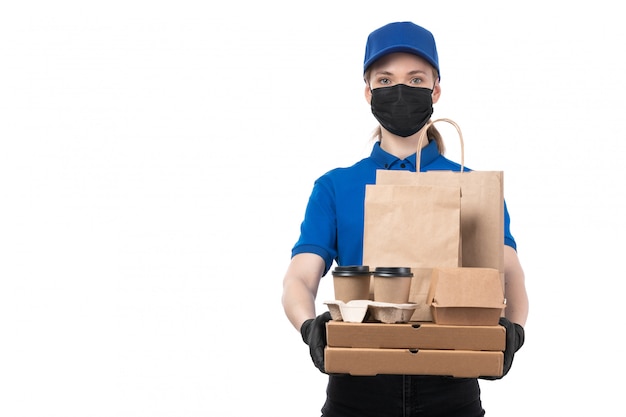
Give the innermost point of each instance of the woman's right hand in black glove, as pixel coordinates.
(314, 334)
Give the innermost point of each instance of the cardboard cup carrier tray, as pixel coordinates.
(356, 311)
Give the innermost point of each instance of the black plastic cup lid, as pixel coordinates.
(351, 270)
(393, 271)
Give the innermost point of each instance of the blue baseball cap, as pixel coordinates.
(401, 37)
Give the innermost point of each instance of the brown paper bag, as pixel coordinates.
(416, 226)
(411, 225)
(481, 224)
(482, 206)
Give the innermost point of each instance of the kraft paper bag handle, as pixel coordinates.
(424, 134)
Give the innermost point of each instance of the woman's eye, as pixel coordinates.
(384, 81)
(416, 81)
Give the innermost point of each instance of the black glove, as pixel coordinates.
(514, 341)
(314, 334)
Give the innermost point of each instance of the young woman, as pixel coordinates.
(401, 72)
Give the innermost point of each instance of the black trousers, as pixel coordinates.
(402, 396)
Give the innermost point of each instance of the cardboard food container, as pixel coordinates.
(415, 335)
(466, 296)
(414, 348)
(455, 363)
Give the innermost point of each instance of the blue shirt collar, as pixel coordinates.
(386, 160)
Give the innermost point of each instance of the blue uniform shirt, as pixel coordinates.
(334, 217)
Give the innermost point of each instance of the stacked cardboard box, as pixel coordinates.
(463, 340)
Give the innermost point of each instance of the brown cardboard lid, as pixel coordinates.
(466, 287)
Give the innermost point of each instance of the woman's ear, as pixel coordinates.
(368, 94)
(436, 92)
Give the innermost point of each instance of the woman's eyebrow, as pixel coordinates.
(388, 73)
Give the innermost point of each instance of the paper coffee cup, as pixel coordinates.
(352, 282)
(392, 284)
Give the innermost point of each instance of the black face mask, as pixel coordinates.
(401, 109)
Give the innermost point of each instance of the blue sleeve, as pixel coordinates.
(508, 237)
(318, 231)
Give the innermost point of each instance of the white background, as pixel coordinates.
(156, 159)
